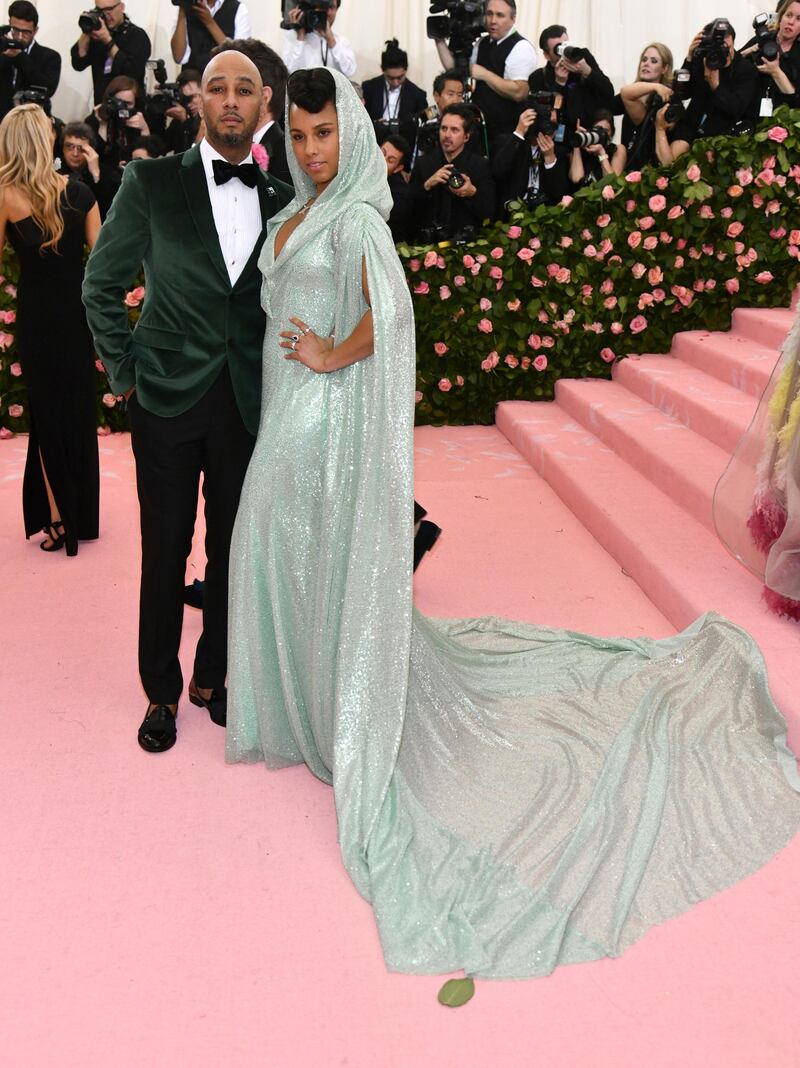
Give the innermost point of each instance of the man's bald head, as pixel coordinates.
(231, 91)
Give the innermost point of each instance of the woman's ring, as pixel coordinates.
(306, 331)
(295, 338)
(294, 343)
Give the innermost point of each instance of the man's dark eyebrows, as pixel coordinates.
(239, 78)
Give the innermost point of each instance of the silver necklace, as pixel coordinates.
(307, 205)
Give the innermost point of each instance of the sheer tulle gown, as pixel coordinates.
(509, 797)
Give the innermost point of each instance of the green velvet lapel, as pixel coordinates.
(193, 177)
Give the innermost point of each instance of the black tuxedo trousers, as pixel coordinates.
(171, 454)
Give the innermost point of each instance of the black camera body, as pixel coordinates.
(313, 18)
(711, 48)
(456, 180)
(681, 91)
(766, 37)
(167, 94)
(570, 52)
(460, 23)
(187, 5)
(91, 21)
(544, 104)
(34, 94)
(7, 42)
(118, 110)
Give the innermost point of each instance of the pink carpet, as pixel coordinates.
(170, 910)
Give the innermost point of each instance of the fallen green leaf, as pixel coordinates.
(456, 992)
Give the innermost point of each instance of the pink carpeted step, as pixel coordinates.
(679, 563)
(684, 465)
(766, 326)
(737, 360)
(711, 408)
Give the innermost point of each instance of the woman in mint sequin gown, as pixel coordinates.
(509, 797)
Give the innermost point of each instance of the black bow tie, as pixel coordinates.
(224, 171)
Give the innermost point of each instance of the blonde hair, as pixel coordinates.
(783, 8)
(26, 162)
(666, 59)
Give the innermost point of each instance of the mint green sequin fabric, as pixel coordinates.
(509, 797)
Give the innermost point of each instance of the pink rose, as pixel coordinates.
(647, 222)
(646, 300)
(659, 295)
(564, 275)
(699, 286)
(590, 252)
(633, 176)
(537, 283)
(526, 362)
(665, 238)
(638, 270)
(662, 182)
(422, 288)
(608, 355)
(475, 269)
(657, 202)
(459, 380)
(534, 341)
(655, 275)
(109, 400)
(777, 133)
(417, 397)
(706, 212)
(683, 295)
(607, 286)
(638, 324)
(732, 285)
(526, 254)
(738, 248)
(566, 201)
(758, 200)
(548, 342)
(485, 304)
(445, 385)
(8, 317)
(735, 191)
(586, 291)
(440, 262)
(630, 205)
(12, 291)
(16, 370)
(711, 284)
(744, 176)
(444, 293)
(794, 237)
(514, 305)
(605, 247)
(603, 220)
(693, 173)
(431, 258)
(610, 302)
(616, 328)
(565, 242)
(103, 431)
(675, 212)
(414, 265)
(15, 410)
(734, 229)
(260, 156)
(608, 192)
(496, 253)
(468, 261)
(485, 326)
(440, 348)
(772, 207)
(5, 340)
(679, 261)
(490, 362)
(650, 242)
(764, 277)
(540, 363)
(495, 272)
(543, 317)
(5, 433)
(512, 360)
(553, 269)
(634, 239)
(514, 232)
(460, 280)
(535, 243)
(135, 297)
(778, 233)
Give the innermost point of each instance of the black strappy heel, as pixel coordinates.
(55, 532)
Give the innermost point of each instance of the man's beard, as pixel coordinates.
(232, 140)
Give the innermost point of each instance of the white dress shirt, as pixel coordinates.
(237, 214)
(521, 61)
(241, 26)
(392, 109)
(314, 52)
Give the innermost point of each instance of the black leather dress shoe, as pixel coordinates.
(216, 704)
(158, 732)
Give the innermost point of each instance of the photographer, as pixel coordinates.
(311, 42)
(525, 166)
(722, 87)
(593, 162)
(397, 151)
(184, 124)
(274, 77)
(639, 102)
(391, 100)
(118, 121)
(202, 25)
(576, 74)
(81, 163)
(500, 65)
(451, 188)
(775, 52)
(111, 45)
(28, 63)
(448, 88)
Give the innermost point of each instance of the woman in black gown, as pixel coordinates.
(48, 221)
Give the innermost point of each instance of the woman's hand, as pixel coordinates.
(306, 347)
(769, 66)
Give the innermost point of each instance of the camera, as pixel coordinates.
(34, 94)
(187, 5)
(119, 110)
(681, 91)
(167, 94)
(711, 48)
(544, 104)
(586, 138)
(456, 180)
(570, 52)
(766, 32)
(460, 23)
(313, 17)
(91, 21)
(7, 42)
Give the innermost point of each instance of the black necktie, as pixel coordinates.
(224, 171)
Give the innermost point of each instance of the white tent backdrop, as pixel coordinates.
(614, 30)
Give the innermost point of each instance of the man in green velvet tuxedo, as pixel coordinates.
(191, 369)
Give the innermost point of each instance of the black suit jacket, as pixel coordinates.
(511, 165)
(131, 59)
(41, 66)
(412, 98)
(439, 206)
(274, 141)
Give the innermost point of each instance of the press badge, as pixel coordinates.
(765, 111)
